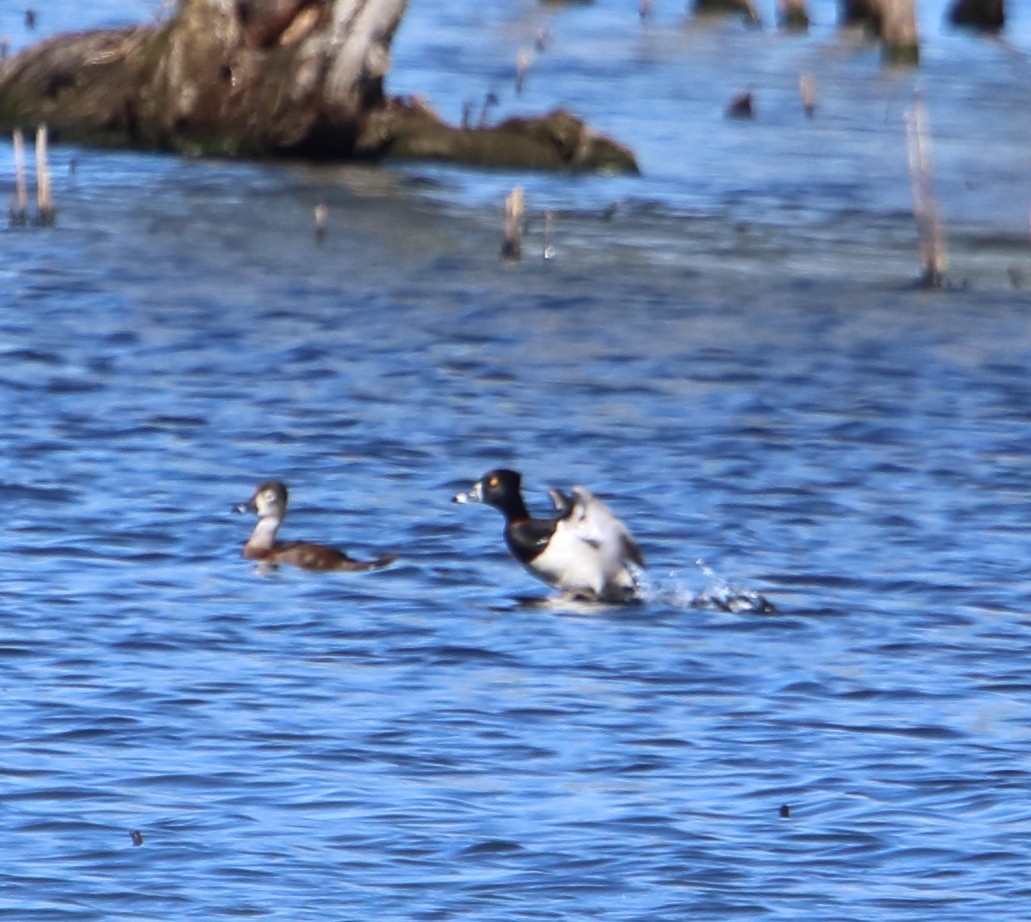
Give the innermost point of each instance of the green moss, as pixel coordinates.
(906, 55)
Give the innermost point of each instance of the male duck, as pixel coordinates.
(269, 502)
(585, 551)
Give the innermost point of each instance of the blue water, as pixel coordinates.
(736, 358)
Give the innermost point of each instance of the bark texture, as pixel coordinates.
(892, 21)
(261, 78)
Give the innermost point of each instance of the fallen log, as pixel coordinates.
(267, 78)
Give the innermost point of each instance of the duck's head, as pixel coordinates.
(500, 488)
(269, 500)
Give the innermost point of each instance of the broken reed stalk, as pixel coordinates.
(807, 90)
(524, 60)
(512, 247)
(930, 234)
(549, 226)
(20, 200)
(321, 215)
(45, 211)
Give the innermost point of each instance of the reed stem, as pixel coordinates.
(930, 233)
(45, 211)
(512, 247)
(20, 200)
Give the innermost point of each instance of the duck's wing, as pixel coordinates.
(593, 522)
(563, 504)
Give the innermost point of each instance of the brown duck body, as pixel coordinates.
(269, 502)
(313, 557)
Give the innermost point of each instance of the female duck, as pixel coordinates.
(585, 551)
(269, 502)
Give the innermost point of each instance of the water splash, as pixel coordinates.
(717, 592)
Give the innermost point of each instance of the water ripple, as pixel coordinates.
(733, 357)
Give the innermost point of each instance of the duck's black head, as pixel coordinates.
(500, 488)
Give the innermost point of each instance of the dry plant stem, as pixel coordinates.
(44, 203)
(930, 234)
(512, 247)
(19, 208)
(549, 224)
(321, 214)
(807, 90)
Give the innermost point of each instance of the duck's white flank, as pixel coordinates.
(591, 552)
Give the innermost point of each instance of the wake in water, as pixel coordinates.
(718, 593)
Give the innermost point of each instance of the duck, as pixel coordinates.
(583, 550)
(269, 502)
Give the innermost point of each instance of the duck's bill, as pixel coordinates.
(473, 495)
(249, 506)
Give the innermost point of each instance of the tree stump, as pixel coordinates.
(261, 78)
(892, 21)
(986, 15)
(792, 15)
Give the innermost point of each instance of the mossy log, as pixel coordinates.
(267, 78)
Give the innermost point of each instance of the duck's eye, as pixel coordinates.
(493, 481)
(269, 496)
